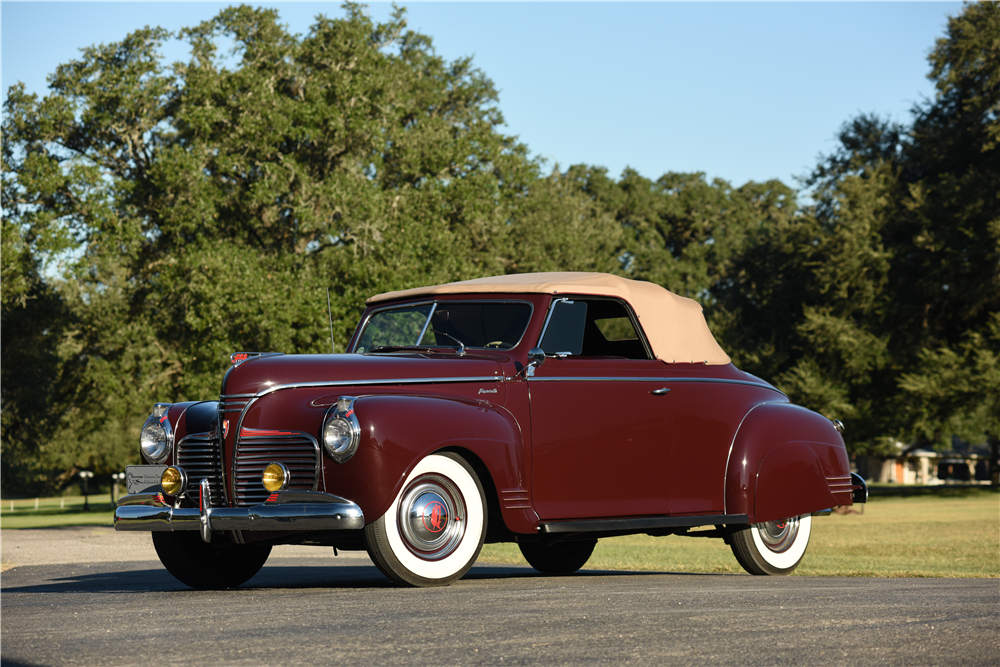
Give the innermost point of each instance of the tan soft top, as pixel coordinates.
(674, 325)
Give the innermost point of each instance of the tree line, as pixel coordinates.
(157, 217)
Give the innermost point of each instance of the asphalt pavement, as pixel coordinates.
(86, 597)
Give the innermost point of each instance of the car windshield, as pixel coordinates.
(496, 325)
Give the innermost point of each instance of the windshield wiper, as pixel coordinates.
(461, 345)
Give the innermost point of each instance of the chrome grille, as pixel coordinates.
(201, 458)
(233, 403)
(299, 452)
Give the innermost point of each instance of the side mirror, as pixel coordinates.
(536, 357)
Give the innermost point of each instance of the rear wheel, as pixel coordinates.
(558, 558)
(774, 547)
(205, 566)
(433, 531)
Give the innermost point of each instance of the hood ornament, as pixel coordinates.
(237, 358)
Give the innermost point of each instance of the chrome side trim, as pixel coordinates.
(653, 379)
(370, 383)
(233, 403)
(641, 524)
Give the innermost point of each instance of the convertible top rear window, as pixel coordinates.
(496, 325)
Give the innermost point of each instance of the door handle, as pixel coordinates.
(661, 391)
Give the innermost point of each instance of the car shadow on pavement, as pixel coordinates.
(53, 579)
(4, 662)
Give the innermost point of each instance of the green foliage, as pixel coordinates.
(158, 217)
(560, 228)
(876, 292)
(207, 207)
(957, 391)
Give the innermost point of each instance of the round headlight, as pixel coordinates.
(341, 430)
(153, 442)
(276, 477)
(173, 481)
(337, 436)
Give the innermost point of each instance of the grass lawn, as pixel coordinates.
(53, 512)
(952, 535)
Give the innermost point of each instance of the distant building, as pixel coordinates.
(962, 464)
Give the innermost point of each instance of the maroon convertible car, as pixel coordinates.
(547, 409)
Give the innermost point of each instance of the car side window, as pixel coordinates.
(565, 328)
(592, 328)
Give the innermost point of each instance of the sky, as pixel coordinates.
(740, 91)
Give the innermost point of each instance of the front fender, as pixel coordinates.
(786, 461)
(398, 431)
(196, 418)
(187, 418)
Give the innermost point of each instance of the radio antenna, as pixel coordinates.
(329, 310)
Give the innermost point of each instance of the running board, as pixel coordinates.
(643, 523)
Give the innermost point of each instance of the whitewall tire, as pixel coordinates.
(434, 529)
(772, 548)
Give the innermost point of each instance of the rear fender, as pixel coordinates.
(786, 461)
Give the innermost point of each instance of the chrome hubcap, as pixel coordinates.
(779, 535)
(431, 517)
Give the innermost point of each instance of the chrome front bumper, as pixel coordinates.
(299, 511)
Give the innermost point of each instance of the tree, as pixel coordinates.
(897, 265)
(558, 227)
(949, 271)
(957, 392)
(205, 207)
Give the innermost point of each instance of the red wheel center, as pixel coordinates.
(435, 517)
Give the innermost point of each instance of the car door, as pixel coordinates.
(600, 442)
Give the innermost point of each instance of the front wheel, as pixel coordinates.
(772, 548)
(208, 566)
(433, 531)
(559, 558)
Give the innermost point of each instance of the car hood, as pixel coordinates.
(259, 374)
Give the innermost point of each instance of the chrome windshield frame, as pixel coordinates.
(434, 304)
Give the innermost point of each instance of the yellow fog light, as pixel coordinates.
(275, 477)
(174, 481)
